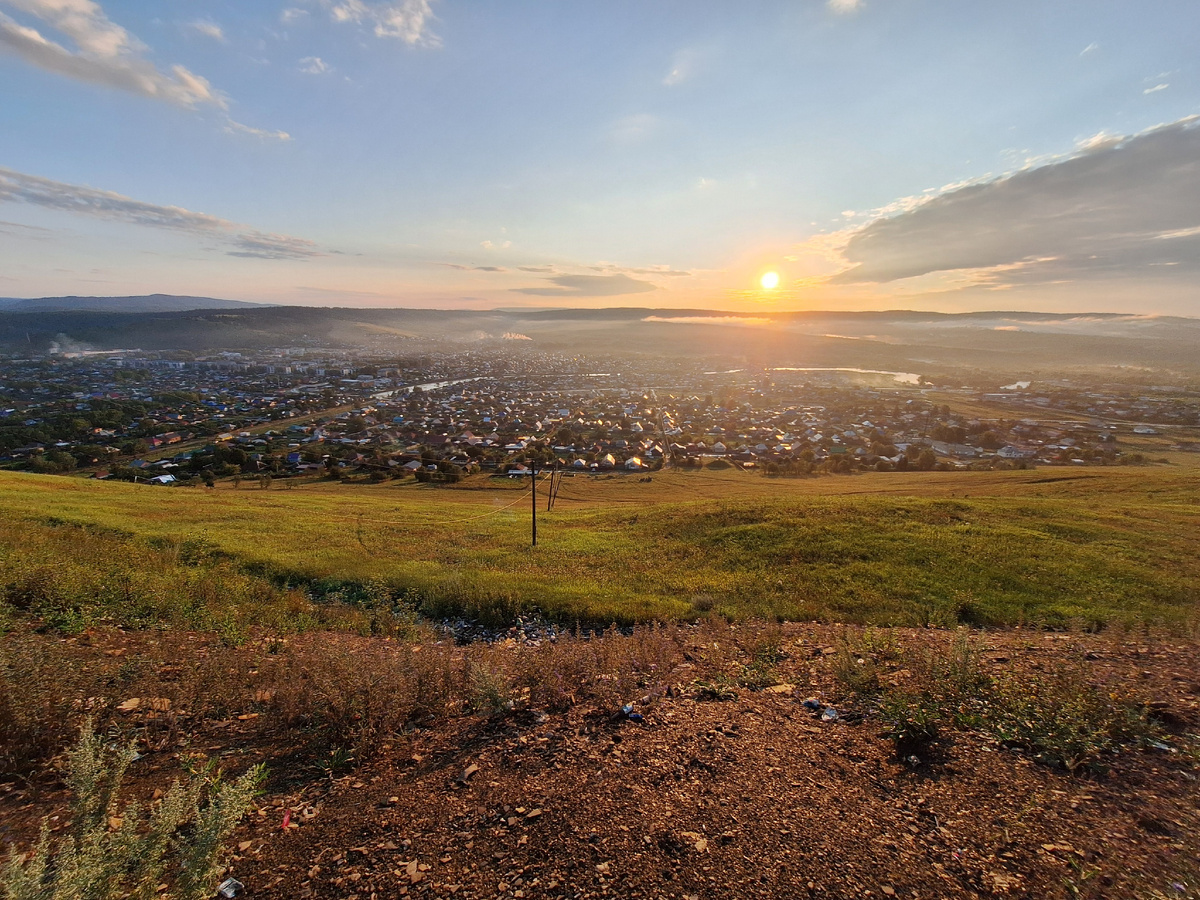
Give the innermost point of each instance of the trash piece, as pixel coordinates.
(287, 819)
(229, 888)
(1159, 745)
(626, 713)
(829, 714)
(812, 705)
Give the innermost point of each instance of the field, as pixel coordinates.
(1051, 547)
(224, 629)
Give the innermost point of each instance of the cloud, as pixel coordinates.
(17, 187)
(207, 29)
(844, 6)
(26, 231)
(667, 271)
(684, 66)
(292, 14)
(1117, 207)
(589, 286)
(233, 127)
(494, 245)
(538, 269)
(1156, 88)
(406, 20)
(475, 268)
(314, 65)
(106, 54)
(256, 245)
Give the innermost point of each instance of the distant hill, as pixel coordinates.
(1009, 344)
(150, 303)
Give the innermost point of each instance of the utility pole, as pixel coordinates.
(533, 494)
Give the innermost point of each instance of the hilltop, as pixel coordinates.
(1049, 749)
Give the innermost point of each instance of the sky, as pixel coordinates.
(1037, 155)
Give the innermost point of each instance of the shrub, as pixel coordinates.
(114, 853)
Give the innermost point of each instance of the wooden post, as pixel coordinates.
(533, 494)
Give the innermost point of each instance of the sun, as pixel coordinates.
(769, 281)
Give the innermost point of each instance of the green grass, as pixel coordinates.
(1046, 547)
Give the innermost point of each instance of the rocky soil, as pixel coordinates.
(722, 793)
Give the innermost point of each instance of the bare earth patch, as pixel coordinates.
(754, 795)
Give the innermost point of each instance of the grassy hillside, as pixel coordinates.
(1039, 547)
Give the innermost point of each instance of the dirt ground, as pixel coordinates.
(754, 795)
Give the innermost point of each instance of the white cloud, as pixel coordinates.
(406, 20)
(844, 6)
(1090, 48)
(314, 65)
(292, 14)
(684, 66)
(105, 54)
(208, 29)
(1156, 89)
(495, 245)
(1098, 141)
(1102, 213)
(17, 187)
(233, 127)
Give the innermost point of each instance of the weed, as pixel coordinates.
(718, 689)
(127, 853)
(1065, 721)
(913, 722)
(490, 692)
(38, 688)
(858, 674)
(357, 694)
(763, 669)
(339, 760)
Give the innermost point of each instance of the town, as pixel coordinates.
(440, 414)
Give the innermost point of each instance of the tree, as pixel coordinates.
(927, 460)
(990, 441)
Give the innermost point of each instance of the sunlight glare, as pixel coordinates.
(770, 281)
